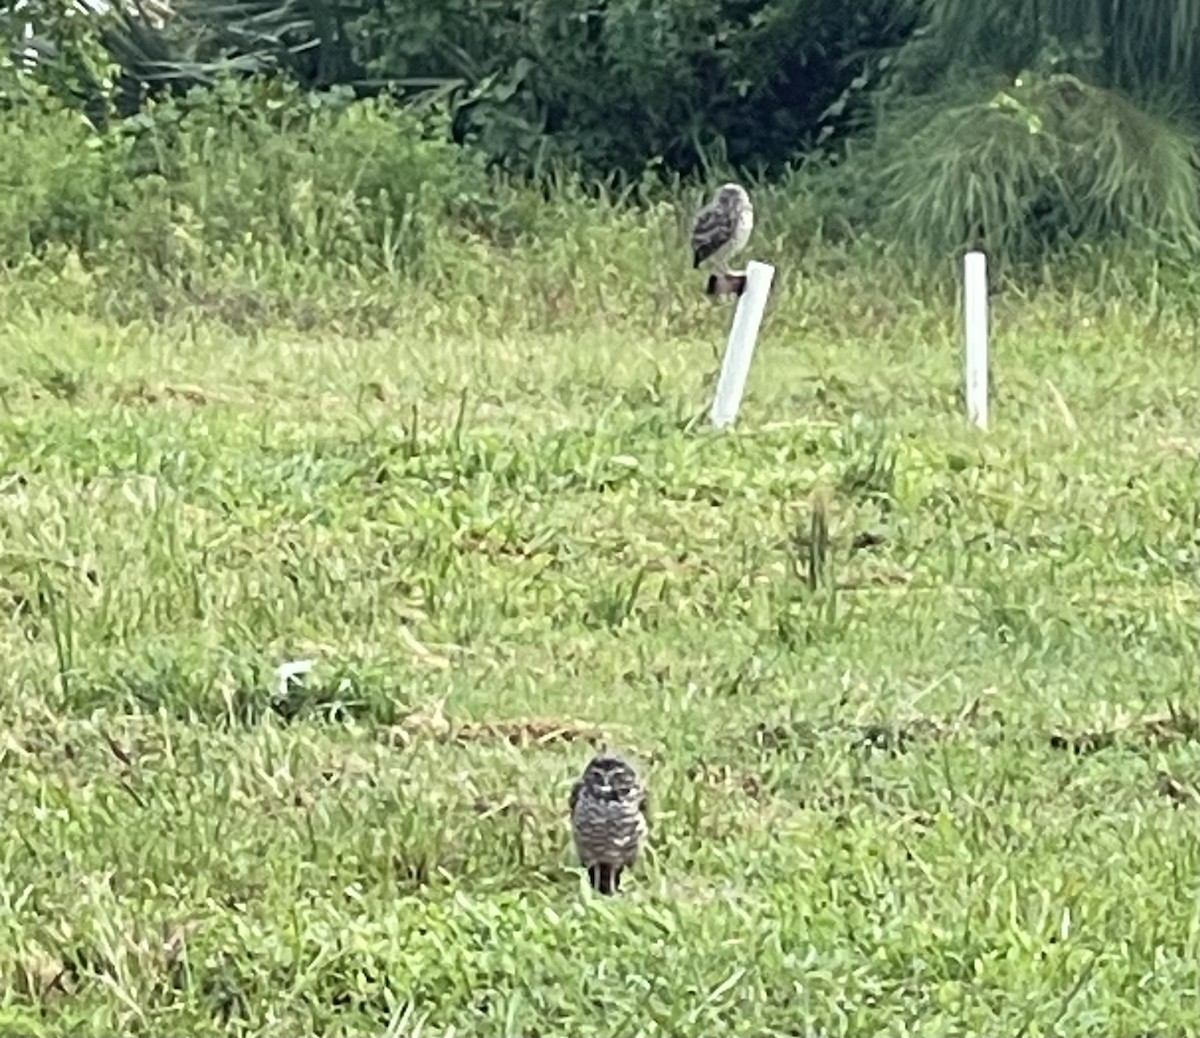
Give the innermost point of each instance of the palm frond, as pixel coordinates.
(1044, 162)
(1131, 45)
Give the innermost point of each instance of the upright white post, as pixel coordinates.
(975, 318)
(743, 336)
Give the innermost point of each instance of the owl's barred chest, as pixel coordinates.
(606, 829)
(612, 813)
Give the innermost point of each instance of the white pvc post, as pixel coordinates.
(743, 336)
(975, 318)
(286, 671)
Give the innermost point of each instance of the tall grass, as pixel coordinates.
(257, 203)
(299, 383)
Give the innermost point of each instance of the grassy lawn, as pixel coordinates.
(936, 776)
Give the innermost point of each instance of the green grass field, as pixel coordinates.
(937, 775)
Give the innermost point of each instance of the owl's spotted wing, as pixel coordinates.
(711, 230)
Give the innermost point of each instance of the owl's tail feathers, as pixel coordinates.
(697, 259)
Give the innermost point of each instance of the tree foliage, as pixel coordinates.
(1019, 124)
(607, 85)
(1133, 46)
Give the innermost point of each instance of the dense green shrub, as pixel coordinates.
(221, 173)
(59, 181)
(687, 83)
(326, 179)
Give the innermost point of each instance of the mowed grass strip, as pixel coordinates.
(933, 772)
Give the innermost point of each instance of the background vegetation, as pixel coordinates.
(365, 335)
(1030, 127)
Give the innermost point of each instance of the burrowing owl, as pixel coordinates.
(608, 819)
(722, 227)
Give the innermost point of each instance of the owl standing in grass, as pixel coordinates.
(722, 227)
(608, 819)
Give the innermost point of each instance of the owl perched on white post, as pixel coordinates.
(722, 227)
(608, 819)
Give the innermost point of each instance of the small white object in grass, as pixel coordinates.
(742, 338)
(975, 318)
(292, 669)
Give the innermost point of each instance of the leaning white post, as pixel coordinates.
(975, 318)
(742, 338)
